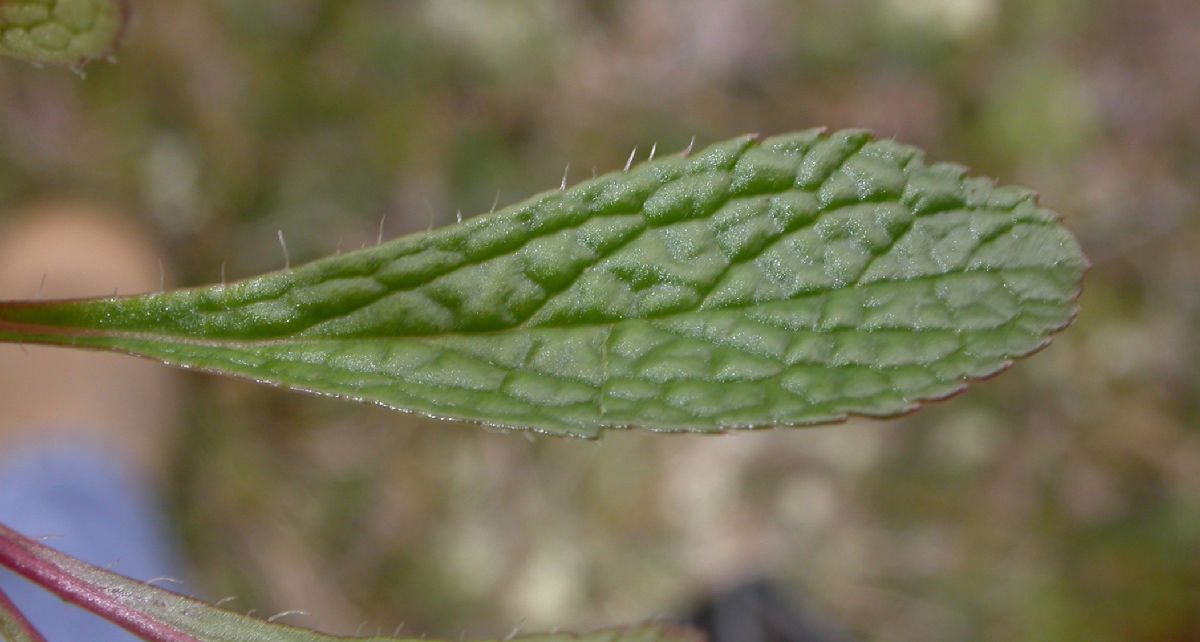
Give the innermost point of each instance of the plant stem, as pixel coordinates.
(14, 626)
(66, 577)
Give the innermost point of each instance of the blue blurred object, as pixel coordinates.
(760, 611)
(80, 499)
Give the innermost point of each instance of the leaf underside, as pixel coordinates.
(784, 282)
(68, 32)
(157, 614)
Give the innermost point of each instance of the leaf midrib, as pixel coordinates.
(430, 242)
(28, 332)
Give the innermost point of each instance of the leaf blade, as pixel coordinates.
(790, 281)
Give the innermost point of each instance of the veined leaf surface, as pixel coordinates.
(61, 31)
(783, 282)
(162, 616)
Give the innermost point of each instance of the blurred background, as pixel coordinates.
(1060, 501)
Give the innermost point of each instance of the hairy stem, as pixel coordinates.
(42, 566)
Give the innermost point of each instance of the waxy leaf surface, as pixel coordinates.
(155, 614)
(783, 282)
(68, 32)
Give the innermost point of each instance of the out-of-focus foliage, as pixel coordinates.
(1061, 501)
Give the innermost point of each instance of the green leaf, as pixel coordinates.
(161, 616)
(785, 282)
(68, 32)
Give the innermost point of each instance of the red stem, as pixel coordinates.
(17, 617)
(43, 566)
